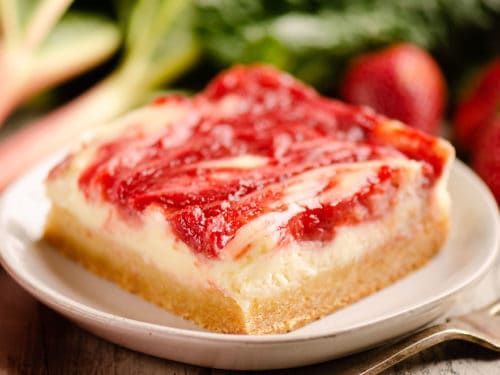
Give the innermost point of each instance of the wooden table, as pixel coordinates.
(36, 340)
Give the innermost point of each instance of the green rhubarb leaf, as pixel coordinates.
(176, 50)
(78, 42)
(26, 23)
(159, 42)
(150, 22)
(14, 16)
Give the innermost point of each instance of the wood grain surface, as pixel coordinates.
(36, 340)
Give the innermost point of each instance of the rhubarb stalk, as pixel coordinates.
(39, 46)
(164, 48)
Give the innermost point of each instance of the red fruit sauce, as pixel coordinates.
(277, 118)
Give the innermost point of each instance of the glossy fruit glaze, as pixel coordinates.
(288, 129)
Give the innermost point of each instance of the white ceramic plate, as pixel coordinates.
(118, 316)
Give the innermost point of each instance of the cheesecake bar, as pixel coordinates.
(254, 207)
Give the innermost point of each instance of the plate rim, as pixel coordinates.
(71, 307)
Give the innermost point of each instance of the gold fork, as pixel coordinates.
(481, 327)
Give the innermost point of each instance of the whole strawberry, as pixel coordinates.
(486, 159)
(402, 81)
(478, 106)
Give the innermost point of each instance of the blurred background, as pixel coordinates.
(67, 66)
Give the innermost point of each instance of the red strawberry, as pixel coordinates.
(402, 81)
(486, 160)
(479, 105)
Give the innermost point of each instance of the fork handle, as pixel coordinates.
(381, 359)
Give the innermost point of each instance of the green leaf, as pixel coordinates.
(14, 16)
(78, 42)
(160, 43)
(293, 34)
